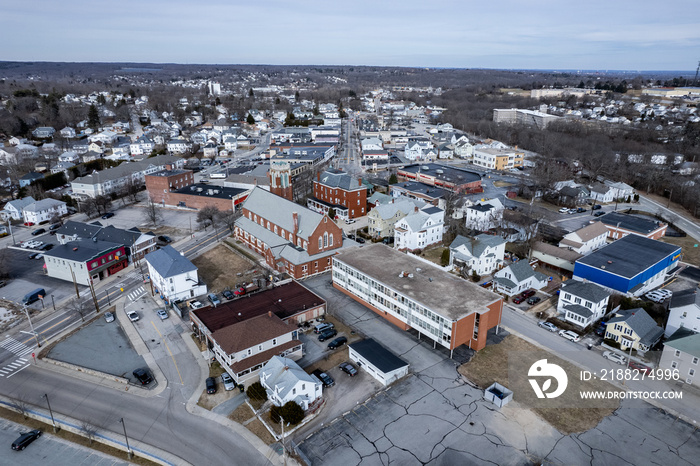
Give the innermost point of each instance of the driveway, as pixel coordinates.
(435, 416)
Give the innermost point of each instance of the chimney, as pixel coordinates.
(359, 181)
(318, 176)
(269, 313)
(415, 208)
(295, 216)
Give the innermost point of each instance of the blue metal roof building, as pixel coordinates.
(631, 265)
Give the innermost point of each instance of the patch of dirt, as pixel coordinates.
(259, 429)
(491, 365)
(502, 184)
(331, 360)
(691, 254)
(219, 268)
(241, 414)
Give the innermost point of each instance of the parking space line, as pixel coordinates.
(171, 353)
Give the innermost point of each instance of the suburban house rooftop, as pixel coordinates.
(442, 292)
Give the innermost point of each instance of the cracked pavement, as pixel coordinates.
(435, 417)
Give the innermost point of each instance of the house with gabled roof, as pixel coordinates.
(484, 215)
(681, 353)
(482, 254)
(684, 311)
(285, 381)
(14, 209)
(43, 210)
(382, 219)
(243, 348)
(419, 229)
(517, 277)
(291, 238)
(173, 276)
(586, 239)
(582, 303)
(633, 328)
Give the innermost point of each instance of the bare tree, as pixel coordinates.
(21, 406)
(88, 206)
(103, 204)
(152, 212)
(208, 215)
(229, 218)
(81, 308)
(89, 430)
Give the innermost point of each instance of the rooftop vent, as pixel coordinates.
(410, 275)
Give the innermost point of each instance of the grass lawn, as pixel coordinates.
(691, 254)
(259, 429)
(241, 414)
(219, 268)
(434, 254)
(491, 365)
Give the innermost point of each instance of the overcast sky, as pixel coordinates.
(533, 34)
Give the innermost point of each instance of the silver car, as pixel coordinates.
(163, 314)
(109, 317)
(227, 381)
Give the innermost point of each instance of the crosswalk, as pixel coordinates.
(137, 293)
(18, 349)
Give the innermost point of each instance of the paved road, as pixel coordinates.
(161, 421)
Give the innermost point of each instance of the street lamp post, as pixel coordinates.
(31, 326)
(53, 302)
(55, 428)
(129, 453)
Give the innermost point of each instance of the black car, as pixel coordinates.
(325, 379)
(348, 369)
(165, 239)
(33, 255)
(597, 207)
(534, 300)
(143, 376)
(360, 240)
(327, 334)
(337, 343)
(38, 231)
(108, 215)
(25, 439)
(227, 294)
(211, 385)
(46, 247)
(598, 214)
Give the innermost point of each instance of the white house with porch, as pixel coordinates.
(582, 303)
(173, 275)
(518, 277)
(285, 381)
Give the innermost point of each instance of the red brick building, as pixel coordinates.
(292, 238)
(335, 189)
(176, 188)
(451, 178)
(280, 176)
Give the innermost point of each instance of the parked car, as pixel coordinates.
(320, 328)
(360, 240)
(165, 239)
(600, 331)
(46, 247)
(2, 283)
(211, 385)
(55, 226)
(325, 379)
(655, 296)
(614, 357)
(327, 334)
(564, 210)
(569, 335)
(213, 299)
(337, 343)
(227, 294)
(548, 326)
(25, 439)
(108, 215)
(33, 255)
(109, 317)
(640, 367)
(195, 304)
(665, 293)
(350, 221)
(533, 300)
(133, 316)
(581, 209)
(163, 314)
(39, 231)
(39, 256)
(572, 211)
(598, 214)
(240, 291)
(597, 207)
(143, 376)
(518, 299)
(527, 293)
(348, 369)
(228, 382)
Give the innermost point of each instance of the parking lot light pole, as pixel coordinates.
(53, 302)
(31, 326)
(55, 428)
(129, 453)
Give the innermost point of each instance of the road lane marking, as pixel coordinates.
(18, 370)
(171, 353)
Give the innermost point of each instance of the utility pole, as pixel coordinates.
(129, 453)
(77, 293)
(55, 428)
(94, 296)
(31, 326)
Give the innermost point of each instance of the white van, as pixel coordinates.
(217, 175)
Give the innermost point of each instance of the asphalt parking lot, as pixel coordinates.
(434, 416)
(100, 346)
(48, 449)
(133, 216)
